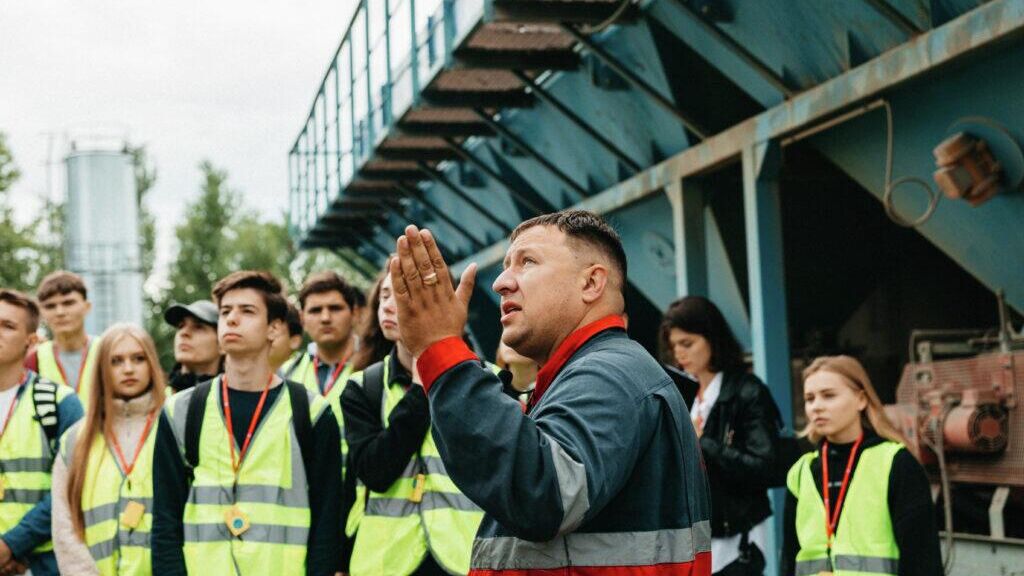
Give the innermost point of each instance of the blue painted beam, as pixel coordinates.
(688, 210)
(982, 27)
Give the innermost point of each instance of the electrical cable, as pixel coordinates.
(937, 446)
(607, 22)
(891, 185)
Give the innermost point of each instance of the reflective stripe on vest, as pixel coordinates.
(272, 491)
(301, 369)
(672, 549)
(395, 533)
(864, 542)
(50, 369)
(116, 549)
(25, 460)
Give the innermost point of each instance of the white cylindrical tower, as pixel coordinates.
(101, 237)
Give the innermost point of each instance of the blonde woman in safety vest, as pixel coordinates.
(876, 516)
(103, 482)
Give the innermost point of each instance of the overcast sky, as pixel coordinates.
(224, 80)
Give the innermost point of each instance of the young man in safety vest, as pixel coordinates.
(416, 521)
(33, 414)
(246, 472)
(71, 356)
(327, 304)
(197, 355)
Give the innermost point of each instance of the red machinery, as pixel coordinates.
(957, 406)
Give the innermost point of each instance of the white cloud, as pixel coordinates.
(230, 81)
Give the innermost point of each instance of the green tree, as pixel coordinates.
(29, 252)
(145, 178)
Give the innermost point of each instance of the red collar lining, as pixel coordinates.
(567, 348)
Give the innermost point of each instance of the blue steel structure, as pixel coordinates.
(675, 119)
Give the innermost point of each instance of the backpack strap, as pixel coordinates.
(44, 397)
(373, 385)
(301, 422)
(194, 421)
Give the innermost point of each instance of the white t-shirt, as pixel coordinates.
(6, 397)
(725, 551)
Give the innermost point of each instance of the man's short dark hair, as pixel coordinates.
(294, 321)
(328, 281)
(263, 282)
(60, 283)
(582, 226)
(26, 303)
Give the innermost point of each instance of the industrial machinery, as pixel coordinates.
(957, 405)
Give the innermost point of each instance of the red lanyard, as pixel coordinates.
(236, 464)
(832, 518)
(126, 466)
(14, 402)
(334, 375)
(81, 367)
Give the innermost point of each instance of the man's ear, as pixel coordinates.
(274, 329)
(595, 282)
(33, 339)
(88, 307)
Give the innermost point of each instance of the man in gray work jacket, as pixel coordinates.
(603, 474)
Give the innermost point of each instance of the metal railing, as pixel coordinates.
(390, 51)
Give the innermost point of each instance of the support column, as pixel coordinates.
(769, 323)
(768, 320)
(690, 241)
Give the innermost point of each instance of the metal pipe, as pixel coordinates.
(518, 142)
(483, 167)
(444, 181)
(580, 123)
(417, 196)
(636, 81)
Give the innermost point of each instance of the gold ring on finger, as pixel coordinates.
(430, 279)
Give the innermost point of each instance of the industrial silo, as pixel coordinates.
(102, 241)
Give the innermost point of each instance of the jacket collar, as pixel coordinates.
(567, 348)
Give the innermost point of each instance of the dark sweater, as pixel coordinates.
(909, 502)
(171, 488)
(378, 455)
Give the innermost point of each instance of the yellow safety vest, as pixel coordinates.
(863, 543)
(272, 491)
(49, 368)
(117, 547)
(300, 368)
(395, 532)
(25, 460)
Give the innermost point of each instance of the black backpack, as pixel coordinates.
(44, 398)
(300, 421)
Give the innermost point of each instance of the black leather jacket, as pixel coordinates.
(738, 443)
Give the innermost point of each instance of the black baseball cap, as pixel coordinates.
(202, 310)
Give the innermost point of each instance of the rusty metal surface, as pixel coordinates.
(468, 80)
(996, 21)
(956, 376)
(500, 36)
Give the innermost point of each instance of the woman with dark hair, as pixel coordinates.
(738, 424)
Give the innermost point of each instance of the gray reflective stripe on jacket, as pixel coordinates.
(848, 562)
(265, 533)
(105, 549)
(593, 549)
(27, 465)
(112, 510)
(402, 507)
(253, 493)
